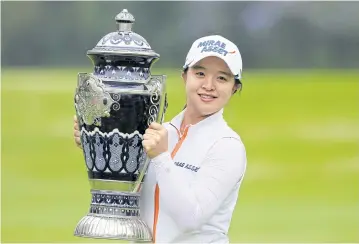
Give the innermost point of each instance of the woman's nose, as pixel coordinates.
(208, 84)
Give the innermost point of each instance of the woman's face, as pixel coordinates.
(209, 86)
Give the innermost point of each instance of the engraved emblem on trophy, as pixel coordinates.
(115, 105)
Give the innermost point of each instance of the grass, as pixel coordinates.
(300, 129)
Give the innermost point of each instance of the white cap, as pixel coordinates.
(217, 46)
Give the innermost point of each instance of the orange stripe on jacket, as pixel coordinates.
(157, 190)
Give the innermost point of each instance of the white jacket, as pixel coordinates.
(198, 181)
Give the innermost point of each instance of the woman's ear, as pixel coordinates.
(184, 76)
(235, 88)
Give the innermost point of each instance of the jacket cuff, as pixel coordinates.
(161, 159)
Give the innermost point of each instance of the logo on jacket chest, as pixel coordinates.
(187, 166)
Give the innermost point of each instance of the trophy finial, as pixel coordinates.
(124, 20)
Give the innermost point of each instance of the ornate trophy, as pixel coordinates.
(115, 105)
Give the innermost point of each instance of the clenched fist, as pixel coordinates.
(155, 140)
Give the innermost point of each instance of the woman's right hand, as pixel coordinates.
(77, 133)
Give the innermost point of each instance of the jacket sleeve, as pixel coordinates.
(192, 203)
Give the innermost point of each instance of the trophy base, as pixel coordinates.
(114, 215)
(101, 227)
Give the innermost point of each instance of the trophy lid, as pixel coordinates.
(124, 41)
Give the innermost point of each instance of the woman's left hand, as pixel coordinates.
(155, 140)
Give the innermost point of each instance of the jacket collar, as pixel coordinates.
(177, 120)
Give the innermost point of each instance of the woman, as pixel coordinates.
(197, 160)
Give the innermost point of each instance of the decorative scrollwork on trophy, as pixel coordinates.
(155, 100)
(91, 100)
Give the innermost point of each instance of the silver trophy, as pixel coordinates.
(115, 105)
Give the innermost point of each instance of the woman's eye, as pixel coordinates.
(222, 78)
(200, 74)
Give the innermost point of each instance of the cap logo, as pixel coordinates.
(213, 46)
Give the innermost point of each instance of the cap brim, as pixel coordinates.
(192, 62)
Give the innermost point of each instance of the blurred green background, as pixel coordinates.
(300, 129)
(300, 126)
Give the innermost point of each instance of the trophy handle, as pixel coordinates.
(160, 89)
(163, 101)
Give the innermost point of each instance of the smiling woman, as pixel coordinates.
(197, 161)
(209, 86)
